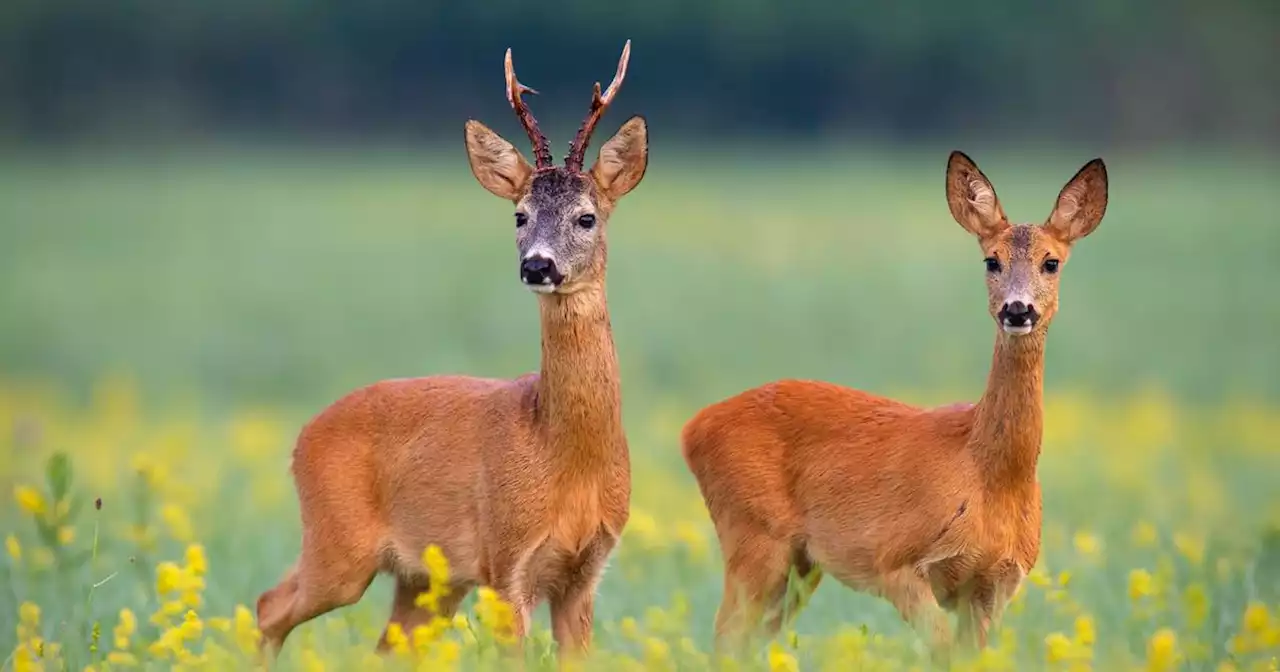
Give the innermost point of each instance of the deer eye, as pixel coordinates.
(993, 264)
(1050, 266)
(521, 219)
(587, 221)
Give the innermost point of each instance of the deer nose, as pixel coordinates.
(1019, 314)
(539, 270)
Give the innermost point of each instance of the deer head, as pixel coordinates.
(1023, 261)
(561, 212)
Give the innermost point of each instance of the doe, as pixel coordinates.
(930, 509)
(524, 484)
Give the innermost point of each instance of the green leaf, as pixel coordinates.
(58, 473)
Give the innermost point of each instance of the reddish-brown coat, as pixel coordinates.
(524, 484)
(928, 508)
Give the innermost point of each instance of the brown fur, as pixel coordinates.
(931, 509)
(524, 484)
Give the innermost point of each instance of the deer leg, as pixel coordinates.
(406, 612)
(572, 615)
(755, 582)
(323, 580)
(976, 608)
(913, 597)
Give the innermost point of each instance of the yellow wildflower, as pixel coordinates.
(1191, 547)
(1256, 618)
(192, 627)
(496, 615)
(197, 564)
(1087, 544)
(1086, 634)
(780, 660)
(437, 565)
(122, 659)
(1162, 651)
(125, 627)
(66, 535)
(246, 629)
(396, 639)
(629, 628)
(1196, 602)
(30, 500)
(1057, 648)
(178, 521)
(1145, 535)
(311, 661)
(29, 614)
(1141, 584)
(14, 547)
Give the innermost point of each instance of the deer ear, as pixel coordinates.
(972, 199)
(496, 163)
(1081, 204)
(623, 159)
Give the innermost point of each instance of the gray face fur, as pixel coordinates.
(554, 227)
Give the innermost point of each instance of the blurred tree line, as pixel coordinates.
(1107, 70)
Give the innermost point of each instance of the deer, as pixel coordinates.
(936, 510)
(523, 484)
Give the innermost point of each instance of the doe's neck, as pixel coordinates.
(1009, 419)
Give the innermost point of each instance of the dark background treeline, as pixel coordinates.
(1113, 71)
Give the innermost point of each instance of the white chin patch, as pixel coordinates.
(1016, 331)
(542, 289)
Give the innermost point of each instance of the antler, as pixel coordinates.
(541, 148)
(599, 103)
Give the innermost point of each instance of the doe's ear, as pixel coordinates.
(972, 199)
(1081, 203)
(623, 159)
(496, 163)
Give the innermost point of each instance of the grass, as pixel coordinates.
(171, 319)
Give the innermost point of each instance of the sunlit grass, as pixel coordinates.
(141, 534)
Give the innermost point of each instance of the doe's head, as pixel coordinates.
(561, 211)
(1023, 261)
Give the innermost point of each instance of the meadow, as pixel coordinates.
(170, 319)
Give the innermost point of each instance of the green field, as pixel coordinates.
(170, 319)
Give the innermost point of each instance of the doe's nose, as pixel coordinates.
(1018, 313)
(539, 270)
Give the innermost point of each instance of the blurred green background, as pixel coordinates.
(247, 207)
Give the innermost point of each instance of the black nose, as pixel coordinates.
(1018, 314)
(539, 271)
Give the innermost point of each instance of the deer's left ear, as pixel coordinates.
(1081, 204)
(623, 159)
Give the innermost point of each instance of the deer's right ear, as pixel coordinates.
(972, 199)
(496, 163)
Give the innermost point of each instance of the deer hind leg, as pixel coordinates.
(911, 594)
(340, 555)
(572, 618)
(408, 615)
(755, 588)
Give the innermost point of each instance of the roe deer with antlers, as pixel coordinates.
(931, 509)
(524, 484)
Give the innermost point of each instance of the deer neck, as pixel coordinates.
(1009, 419)
(579, 394)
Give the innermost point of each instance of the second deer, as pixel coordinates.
(524, 484)
(931, 509)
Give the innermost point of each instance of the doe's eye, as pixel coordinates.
(587, 221)
(521, 219)
(1050, 266)
(993, 264)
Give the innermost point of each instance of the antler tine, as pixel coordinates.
(599, 103)
(541, 148)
